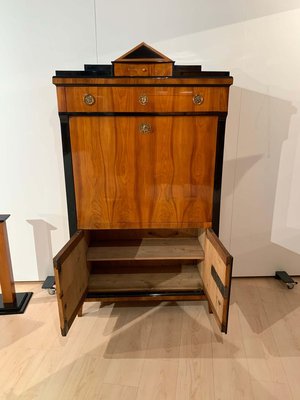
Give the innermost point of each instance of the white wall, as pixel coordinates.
(257, 41)
(37, 37)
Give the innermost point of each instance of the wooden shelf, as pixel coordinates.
(187, 279)
(147, 249)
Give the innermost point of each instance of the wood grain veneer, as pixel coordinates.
(161, 179)
(131, 81)
(61, 99)
(143, 69)
(143, 149)
(160, 99)
(6, 273)
(71, 277)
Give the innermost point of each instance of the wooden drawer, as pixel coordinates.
(146, 99)
(123, 265)
(140, 69)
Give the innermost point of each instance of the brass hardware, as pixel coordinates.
(89, 99)
(143, 99)
(144, 69)
(198, 99)
(145, 128)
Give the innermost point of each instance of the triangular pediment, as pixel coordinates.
(143, 52)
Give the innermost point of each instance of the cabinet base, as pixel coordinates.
(18, 307)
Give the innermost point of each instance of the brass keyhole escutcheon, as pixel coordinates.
(198, 99)
(89, 99)
(145, 128)
(143, 99)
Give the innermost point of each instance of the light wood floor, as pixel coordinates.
(163, 351)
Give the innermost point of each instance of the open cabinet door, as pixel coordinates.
(71, 278)
(216, 272)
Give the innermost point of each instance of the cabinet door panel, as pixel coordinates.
(143, 172)
(216, 272)
(71, 278)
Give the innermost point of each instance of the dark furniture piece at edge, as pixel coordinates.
(10, 301)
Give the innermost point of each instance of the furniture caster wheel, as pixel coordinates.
(284, 277)
(51, 291)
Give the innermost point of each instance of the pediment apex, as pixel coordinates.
(143, 52)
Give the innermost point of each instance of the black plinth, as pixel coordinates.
(18, 307)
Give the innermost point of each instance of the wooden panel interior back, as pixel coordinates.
(134, 234)
(147, 249)
(187, 278)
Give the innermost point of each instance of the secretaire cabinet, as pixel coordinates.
(143, 146)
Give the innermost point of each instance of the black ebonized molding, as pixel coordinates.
(3, 217)
(161, 84)
(223, 289)
(225, 325)
(68, 167)
(143, 114)
(143, 294)
(17, 307)
(103, 70)
(218, 175)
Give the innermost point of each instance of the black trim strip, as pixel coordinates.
(158, 84)
(106, 70)
(143, 294)
(3, 217)
(225, 324)
(218, 174)
(142, 114)
(223, 289)
(68, 168)
(147, 61)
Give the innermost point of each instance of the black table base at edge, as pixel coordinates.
(18, 307)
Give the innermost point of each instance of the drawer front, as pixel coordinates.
(146, 99)
(143, 172)
(137, 69)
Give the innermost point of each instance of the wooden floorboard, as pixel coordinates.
(156, 350)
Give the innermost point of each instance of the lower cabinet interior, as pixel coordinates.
(128, 265)
(146, 262)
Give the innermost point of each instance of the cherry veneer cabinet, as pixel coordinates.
(143, 150)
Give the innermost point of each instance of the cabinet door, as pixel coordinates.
(216, 273)
(71, 278)
(143, 172)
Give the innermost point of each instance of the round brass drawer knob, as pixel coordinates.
(145, 128)
(143, 99)
(89, 99)
(198, 99)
